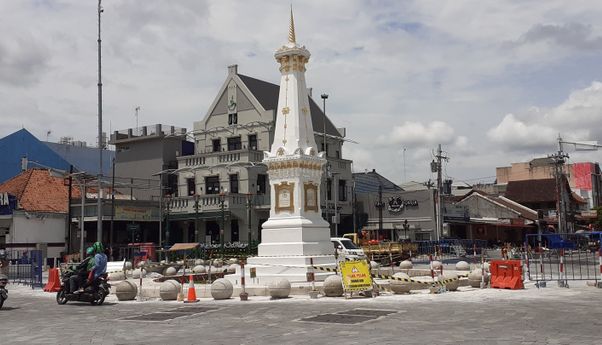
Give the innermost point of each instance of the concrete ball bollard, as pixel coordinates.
(128, 265)
(400, 287)
(218, 263)
(116, 276)
(279, 288)
(136, 273)
(437, 265)
(169, 290)
(221, 289)
(406, 265)
(453, 284)
(170, 271)
(232, 261)
(232, 268)
(199, 269)
(333, 286)
(126, 290)
(474, 278)
(374, 264)
(462, 266)
(199, 262)
(140, 264)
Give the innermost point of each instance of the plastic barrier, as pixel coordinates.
(54, 281)
(506, 274)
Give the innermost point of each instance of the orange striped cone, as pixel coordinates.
(191, 291)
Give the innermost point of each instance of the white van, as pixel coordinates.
(345, 247)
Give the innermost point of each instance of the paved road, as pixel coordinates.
(548, 316)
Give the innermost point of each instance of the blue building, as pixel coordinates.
(14, 147)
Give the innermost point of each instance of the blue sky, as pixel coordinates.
(493, 81)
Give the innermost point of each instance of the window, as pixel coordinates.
(217, 145)
(191, 186)
(234, 235)
(234, 144)
(212, 185)
(261, 183)
(328, 189)
(232, 119)
(234, 183)
(338, 154)
(342, 190)
(253, 142)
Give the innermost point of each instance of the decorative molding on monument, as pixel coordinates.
(285, 197)
(310, 196)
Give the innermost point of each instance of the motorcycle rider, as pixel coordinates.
(100, 263)
(82, 269)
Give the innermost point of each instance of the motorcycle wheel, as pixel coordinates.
(101, 298)
(61, 297)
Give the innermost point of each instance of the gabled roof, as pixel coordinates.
(267, 95)
(21, 144)
(500, 201)
(38, 191)
(368, 182)
(532, 191)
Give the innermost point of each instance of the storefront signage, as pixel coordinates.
(132, 213)
(3, 199)
(397, 204)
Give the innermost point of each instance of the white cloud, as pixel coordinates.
(417, 134)
(517, 134)
(578, 118)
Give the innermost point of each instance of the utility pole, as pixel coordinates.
(559, 159)
(249, 205)
(380, 204)
(196, 218)
(100, 141)
(436, 166)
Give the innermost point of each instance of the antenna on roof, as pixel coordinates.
(137, 109)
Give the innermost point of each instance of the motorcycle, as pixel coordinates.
(95, 293)
(3, 277)
(3, 292)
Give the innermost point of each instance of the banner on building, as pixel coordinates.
(132, 213)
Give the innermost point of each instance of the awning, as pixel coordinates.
(183, 246)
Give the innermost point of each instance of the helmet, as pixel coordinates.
(98, 248)
(89, 251)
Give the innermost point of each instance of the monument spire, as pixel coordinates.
(291, 29)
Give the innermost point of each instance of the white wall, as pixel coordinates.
(38, 228)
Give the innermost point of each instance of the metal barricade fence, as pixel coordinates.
(25, 267)
(449, 251)
(562, 258)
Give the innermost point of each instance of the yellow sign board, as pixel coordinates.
(356, 275)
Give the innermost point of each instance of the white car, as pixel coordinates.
(344, 247)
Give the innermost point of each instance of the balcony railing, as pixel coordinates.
(212, 202)
(224, 157)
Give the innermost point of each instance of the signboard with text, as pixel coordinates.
(355, 275)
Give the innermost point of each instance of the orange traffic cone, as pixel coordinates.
(191, 291)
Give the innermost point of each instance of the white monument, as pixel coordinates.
(295, 231)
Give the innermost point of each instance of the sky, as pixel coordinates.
(492, 81)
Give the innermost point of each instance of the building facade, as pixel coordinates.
(224, 184)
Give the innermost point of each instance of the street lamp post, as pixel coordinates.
(168, 201)
(100, 141)
(196, 218)
(222, 200)
(380, 204)
(249, 205)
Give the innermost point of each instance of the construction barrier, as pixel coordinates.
(506, 274)
(54, 281)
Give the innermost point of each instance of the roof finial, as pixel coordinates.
(291, 29)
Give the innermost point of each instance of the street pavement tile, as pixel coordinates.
(338, 318)
(155, 317)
